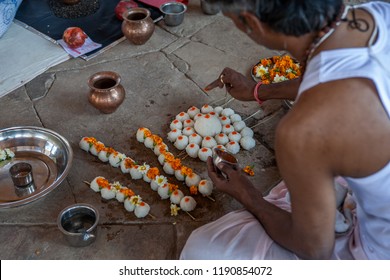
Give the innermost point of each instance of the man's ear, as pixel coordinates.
(251, 22)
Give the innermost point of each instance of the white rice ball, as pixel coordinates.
(141, 210)
(188, 131)
(227, 128)
(238, 126)
(182, 116)
(173, 134)
(116, 158)
(195, 138)
(135, 173)
(84, 144)
(234, 136)
(181, 142)
(192, 111)
(219, 147)
(131, 202)
(247, 143)
(126, 165)
(158, 181)
(149, 142)
(94, 185)
(176, 124)
(233, 147)
(141, 134)
(167, 167)
(222, 139)
(176, 196)
(218, 110)
(187, 203)
(179, 175)
(158, 149)
(192, 150)
(103, 155)
(227, 112)
(163, 191)
(235, 118)
(205, 187)
(247, 131)
(224, 120)
(197, 116)
(209, 142)
(188, 123)
(108, 193)
(192, 180)
(96, 148)
(204, 153)
(208, 126)
(206, 109)
(161, 158)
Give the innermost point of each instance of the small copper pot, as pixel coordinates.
(137, 25)
(106, 93)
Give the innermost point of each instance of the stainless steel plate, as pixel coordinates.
(49, 154)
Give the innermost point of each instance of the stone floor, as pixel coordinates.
(161, 78)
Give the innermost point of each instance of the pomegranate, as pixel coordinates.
(74, 37)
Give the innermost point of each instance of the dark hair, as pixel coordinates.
(290, 17)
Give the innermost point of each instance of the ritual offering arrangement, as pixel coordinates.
(198, 130)
(171, 164)
(125, 195)
(158, 183)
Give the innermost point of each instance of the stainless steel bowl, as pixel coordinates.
(173, 13)
(49, 154)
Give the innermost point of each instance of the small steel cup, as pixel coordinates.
(21, 174)
(208, 8)
(78, 223)
(221, 156)
(173, 13)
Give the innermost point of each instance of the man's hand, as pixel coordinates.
(237, 85)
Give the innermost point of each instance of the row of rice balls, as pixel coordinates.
(149, 174)
(131, 201)
(198, 131)
(172, 165)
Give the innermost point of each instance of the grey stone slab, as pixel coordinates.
(40, 86)
(224, 36)
(114, 242)
(18, 110)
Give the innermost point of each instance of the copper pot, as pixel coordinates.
(137, 25)
(106, 93)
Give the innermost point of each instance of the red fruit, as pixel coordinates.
(123, 6)
(74, 37)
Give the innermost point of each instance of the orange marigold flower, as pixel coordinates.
(169, 157)
(99, 146)
(103, 183)
(127, 192)
(194, 190)
(90, 140)
(147, 133)
(153, 172)
(172, 187)
(249, 170)
(129, 163)
(186, 171)
(176, 164)
(157, 139)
